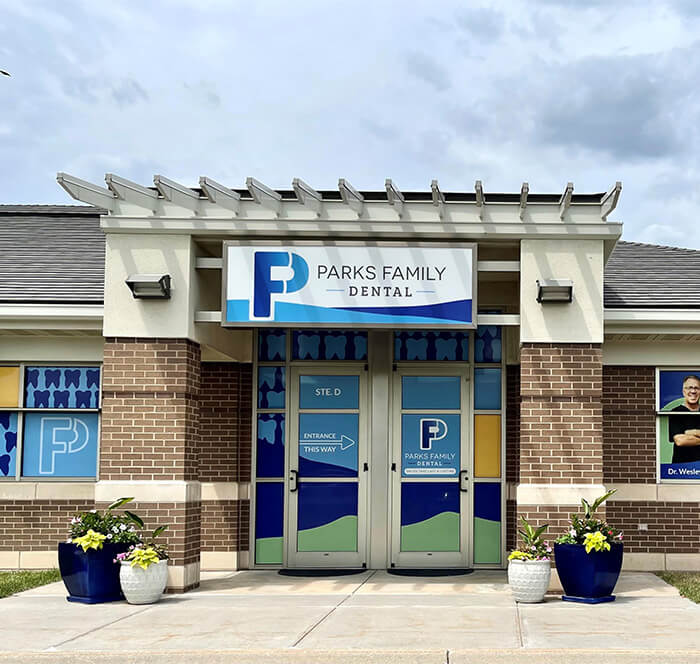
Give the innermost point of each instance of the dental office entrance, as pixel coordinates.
(378, 438)
(378, 448)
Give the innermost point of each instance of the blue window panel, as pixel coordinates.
(272, 345)
(348, 345)
(62, 387)
(327, 517)
(487, 522)
(329, 392)
(271, 387)
(328, 444)
(269, 523)
(269, 458)
(8, 444)
(430, 392)
(431, 345)
(487, 344)
(60, 445)
(487, 389)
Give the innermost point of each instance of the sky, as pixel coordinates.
(545, 91)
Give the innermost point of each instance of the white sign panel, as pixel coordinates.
(333, 285)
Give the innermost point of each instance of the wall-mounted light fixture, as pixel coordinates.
(149, 286)
(555, 290)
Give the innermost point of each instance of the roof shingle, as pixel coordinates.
(650, 276)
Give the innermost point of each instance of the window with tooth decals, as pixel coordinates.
(49, 421)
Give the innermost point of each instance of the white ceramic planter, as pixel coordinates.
(529, 579)
(143, 586)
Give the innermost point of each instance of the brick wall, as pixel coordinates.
(225, 525)
(37, 525)
(561, 423)
(512, 423)
(150, 428)
(150, 410)
(557, 516)
(511, 525)
(629, 424)
(672, 527)
(225, 422)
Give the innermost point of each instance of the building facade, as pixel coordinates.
(290, 432)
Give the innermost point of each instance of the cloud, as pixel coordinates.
(481, 22)
(92, 89)
(428, 70)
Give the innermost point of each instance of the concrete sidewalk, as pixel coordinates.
(263, 617)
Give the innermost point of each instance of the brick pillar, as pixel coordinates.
(150, 442)
(561, 431)
(225, 456)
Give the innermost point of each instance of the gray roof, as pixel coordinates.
(55, 254)
(51, 254)
(646, 275)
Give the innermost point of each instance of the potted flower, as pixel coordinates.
(143, 571)
(588, 557)
(529, 567)
(85, 559)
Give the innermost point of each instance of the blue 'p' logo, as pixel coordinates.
(265, 284)
(431, 429)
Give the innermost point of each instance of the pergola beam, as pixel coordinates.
(131, 192)
(565, 200)
(480, 201)
(438, 197)
(308, 196)
(351, 197)
(219, 194)
(177, 193)
(524, 190)
(264, 196)
(609, 202)
(394, 196)
(86, 192)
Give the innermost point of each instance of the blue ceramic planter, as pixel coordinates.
(588, 577)
(91, 577)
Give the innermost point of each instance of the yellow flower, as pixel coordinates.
(520, 555)
(596, 542)
(90, 540)
(144, 558)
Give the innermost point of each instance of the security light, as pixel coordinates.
(555, 290)
(149, 286)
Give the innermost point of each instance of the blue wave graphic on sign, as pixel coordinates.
(457, 313)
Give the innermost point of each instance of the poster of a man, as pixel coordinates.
(678, 424)
(684, 430)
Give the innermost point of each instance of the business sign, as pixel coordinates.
(333, 285)
(60, 445)
(430, 445)
(678, 414)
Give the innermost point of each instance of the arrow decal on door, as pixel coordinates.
(329, 445)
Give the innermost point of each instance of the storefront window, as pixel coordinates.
(54, 427)
(431, 346)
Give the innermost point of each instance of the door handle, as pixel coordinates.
(464, 480)
(293, 480)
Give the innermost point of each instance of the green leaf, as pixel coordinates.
(119, 503)
(158, 531)
(540, 530)
(599, 501)
(136, 519)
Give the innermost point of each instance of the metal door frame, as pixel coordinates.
(417, 559)
(292, 557)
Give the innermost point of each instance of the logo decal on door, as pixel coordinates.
(431, 429)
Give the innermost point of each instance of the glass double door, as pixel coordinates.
(326, 482)
(430, 473)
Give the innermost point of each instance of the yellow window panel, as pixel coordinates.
(487, 445)
(9, 387)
